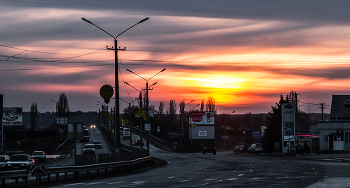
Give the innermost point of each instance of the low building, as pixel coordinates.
(334, 135)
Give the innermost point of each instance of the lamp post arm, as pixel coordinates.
(98, 27)
(157, 74)
(132, 27)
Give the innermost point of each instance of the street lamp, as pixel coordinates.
(116, 120)
(147, 98)
(130, 119)
(56, 110)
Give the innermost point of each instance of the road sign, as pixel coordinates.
(227, 127)
(126, 121)
(193, 125)
(106, 91)
(147, 127)
(141, 112)
(224, 137)
(176, 134)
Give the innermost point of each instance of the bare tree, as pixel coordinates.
(172, 108)
(202, 105)
(161, 108)
(33, 115)
(62, 106)
(182, 106)
(210, 105)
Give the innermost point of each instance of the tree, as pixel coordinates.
(62, 106)
(210, 106)
(182, 106)
(172, 108)
(202, 105)
(273, 133)
(33, 115)
(161, 108)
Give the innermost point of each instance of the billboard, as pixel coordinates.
(202, 118)
(202, 132)
(288, 128)
(12, 116)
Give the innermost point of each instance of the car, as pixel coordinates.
(139, 142)
(255, 148)
(89, 148)
(97, 144)
(3, 162)
(209, 147)
(126, 133)
(238, 149)
(20, 162)
(39, 156)
(93, 126)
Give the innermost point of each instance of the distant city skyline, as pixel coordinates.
(244, 54)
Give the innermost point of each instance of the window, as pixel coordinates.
(326, 138)
(347, 137)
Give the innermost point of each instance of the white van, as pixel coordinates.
(126, 133)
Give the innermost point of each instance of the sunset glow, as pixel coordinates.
(243, 60)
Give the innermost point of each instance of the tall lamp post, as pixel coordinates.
(147, 120)
(116, 121)
(182, 123)
(129, 109)
(56, 110)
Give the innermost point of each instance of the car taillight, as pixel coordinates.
(214, 147)
(204, 147)
(33, 160)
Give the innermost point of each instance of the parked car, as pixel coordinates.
(237, 149)
(255, 148)
(39, 156)
(209, 147)
(88, 148)
(20, 162)
(97, 144)
(126, 133)
(3, 162)
(139, 142)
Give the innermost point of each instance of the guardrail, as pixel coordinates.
(15, 174)
(40, 171)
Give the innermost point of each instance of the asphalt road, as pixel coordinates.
(225, 169)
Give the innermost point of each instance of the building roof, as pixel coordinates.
(338, 110)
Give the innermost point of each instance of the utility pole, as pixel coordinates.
(322, 107)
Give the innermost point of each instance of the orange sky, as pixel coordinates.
(244, 61)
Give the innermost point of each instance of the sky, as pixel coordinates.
(244, 54)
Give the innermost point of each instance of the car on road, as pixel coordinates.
(20, 162)
(255, 148)
(3, 161)
(209, 147)
(126, 133)
(89, 148)
(92, 126)
(97, 144)
(139, 142)
(39, 156)
(237, 149)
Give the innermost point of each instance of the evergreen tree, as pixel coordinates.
(33, 115)
(273, 133)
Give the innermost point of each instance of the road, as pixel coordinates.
(226, 169)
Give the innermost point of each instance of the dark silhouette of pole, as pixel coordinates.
(117, 115)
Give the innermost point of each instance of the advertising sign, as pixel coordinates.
(202, 118)
(288, 128)
(202, 132)
(12, 116)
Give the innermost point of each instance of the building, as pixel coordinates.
(334, 135)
